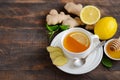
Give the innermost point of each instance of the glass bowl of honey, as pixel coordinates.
(112, 49)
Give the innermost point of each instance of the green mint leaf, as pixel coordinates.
(64, 27)
(52, 27)
(51, 34)
(107, 62)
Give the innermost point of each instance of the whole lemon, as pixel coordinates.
(106, 28)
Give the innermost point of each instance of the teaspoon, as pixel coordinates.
(80, 61)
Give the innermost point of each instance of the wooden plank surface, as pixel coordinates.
(23, 39)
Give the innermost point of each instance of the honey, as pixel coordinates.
(111, 53)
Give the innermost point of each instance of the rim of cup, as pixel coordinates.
(78, 30)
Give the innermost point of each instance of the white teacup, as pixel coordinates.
(71, 54)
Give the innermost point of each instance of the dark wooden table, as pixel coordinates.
(23, 41)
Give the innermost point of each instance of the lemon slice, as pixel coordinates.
(90, 15)
(81, 38)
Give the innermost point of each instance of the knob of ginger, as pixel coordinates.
(73, 8)
(90, 27)
(54, 18)
(72, 22)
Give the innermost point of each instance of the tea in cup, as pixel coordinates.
(77, 42)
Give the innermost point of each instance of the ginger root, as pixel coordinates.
(55, 18)
(73, 8)
(89, 27)
(72, 22)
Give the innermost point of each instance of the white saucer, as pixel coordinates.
(92, 60)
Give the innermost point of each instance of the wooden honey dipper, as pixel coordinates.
(115, 45)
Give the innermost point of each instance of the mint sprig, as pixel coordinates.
(55, 28)
(107, 62)
(64, 27)
(52, 27)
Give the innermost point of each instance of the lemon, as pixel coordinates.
(90, 14)
(105, 28)
(81, 38)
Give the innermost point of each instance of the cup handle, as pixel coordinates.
(95, 37)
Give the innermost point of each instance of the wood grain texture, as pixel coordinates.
(23, 41)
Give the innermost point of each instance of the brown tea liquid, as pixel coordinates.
(73, 45)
